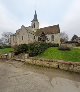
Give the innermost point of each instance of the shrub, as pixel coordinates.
(53, 45)
(23, 48)
(1, 47)
(78, 44)
(36, 48)
(33, 49)
(6, 46)
(64, 48)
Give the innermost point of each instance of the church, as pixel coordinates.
(31, 34)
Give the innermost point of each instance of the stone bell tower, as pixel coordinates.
(35, 23)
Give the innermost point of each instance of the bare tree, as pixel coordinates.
(74, 38)
(63, 37)
(5, 37)
(1, 42)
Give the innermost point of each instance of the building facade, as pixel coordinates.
(31, 34)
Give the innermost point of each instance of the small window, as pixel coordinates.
(22, 37)
(52, 37)
(28, 35)
(13, 38)
(34, 25)
(34, 37)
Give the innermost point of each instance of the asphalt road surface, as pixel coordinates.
(18, 77)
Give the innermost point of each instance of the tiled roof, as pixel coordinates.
(48, 30)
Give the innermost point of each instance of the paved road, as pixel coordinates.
(17, 77)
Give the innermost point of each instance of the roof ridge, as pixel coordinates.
(50, 26)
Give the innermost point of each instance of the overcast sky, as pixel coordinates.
(66, 13)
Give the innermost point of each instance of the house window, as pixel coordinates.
(34, 37)
(52, 37)
(13, 38)
(22, 37)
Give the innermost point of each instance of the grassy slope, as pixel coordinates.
(54, 53)
(5, 50)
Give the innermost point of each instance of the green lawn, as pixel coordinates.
(6, 50)
(54, 53)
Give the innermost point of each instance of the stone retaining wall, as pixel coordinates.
(69, 66)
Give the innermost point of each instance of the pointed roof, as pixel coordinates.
(35, 17)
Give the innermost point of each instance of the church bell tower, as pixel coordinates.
(35, 23)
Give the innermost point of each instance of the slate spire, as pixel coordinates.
(35, 17)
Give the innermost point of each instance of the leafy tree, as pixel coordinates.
(42, 37)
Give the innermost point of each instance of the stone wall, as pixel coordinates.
(57, 38)
(68, 66)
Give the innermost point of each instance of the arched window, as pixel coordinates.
(34, 25)
(34, 37)
(22, 37)
(52, 37)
